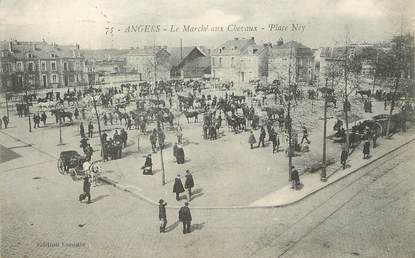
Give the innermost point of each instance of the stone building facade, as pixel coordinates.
(35, 65)
(282, 55)
(149, 62)
(239, 60)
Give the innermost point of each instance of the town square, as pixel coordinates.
(170, 145)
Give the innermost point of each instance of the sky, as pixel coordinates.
(85, 21)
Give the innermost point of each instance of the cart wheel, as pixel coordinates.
(61, 167)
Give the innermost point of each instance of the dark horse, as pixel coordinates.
(190, 114)
(61, 114)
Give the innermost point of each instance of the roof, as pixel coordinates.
(177, 54)
(297, 47)
(105, 54)
(41, 49)
(233, 47)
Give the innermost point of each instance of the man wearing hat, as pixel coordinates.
(178, 187)
(189, 183)
(186, 217)
(162, 215)
(295, 178)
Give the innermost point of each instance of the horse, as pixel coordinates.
(272, 111)
(61, 114)
(362, 93)
(190, 114)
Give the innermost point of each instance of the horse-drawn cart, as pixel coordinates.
(71, 162)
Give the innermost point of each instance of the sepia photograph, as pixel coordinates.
(222, 128)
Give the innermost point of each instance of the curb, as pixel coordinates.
(151, 202)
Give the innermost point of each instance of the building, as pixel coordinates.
(239, 60)
(300, 57)
(332, 60)
(38, 65)
(149, 62)
(189, 62)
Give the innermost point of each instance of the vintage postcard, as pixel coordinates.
(221, 128)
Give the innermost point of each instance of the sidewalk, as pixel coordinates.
(312, 184)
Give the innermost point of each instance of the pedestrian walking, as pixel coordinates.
(87, 190)
(178, 187)
(189, 183)
(343, 158)
(251, 139)
(76, 113)
(162, 215)
(262, 136)
(295, 178)
(185, 217)
(1, 124)
(82, 130)
(153, 140)
(305, 135)
(90, 129)
(43, 118)
(273, 139)
(366, 149)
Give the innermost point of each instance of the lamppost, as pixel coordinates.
(94, 102)
(323, 176)
(28, 111)
(58, 110)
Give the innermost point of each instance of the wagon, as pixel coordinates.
(70, 162)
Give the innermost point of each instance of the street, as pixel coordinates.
(359, 215)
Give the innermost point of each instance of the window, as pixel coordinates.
(19, 66)
(65, 66)
(53, 65)
(29, 55)
(43, 65)
(54, 78)
(213, 61)
(53, 55)
(30, 66)
(232, 61)
(220, 60)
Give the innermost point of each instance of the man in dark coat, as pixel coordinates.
(153, 140)
(148, 166)
(273, 139)
(343, 158)
(90, 130)
(162, 215)
(178, 187)
(186, 217)
(189, 183)
(262, 137)
(180, 154)
(366, 150)
(87, 190)
(295, 177)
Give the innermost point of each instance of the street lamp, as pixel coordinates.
(323, 176)
(58, 110)
(28, 111)
(94, 102)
